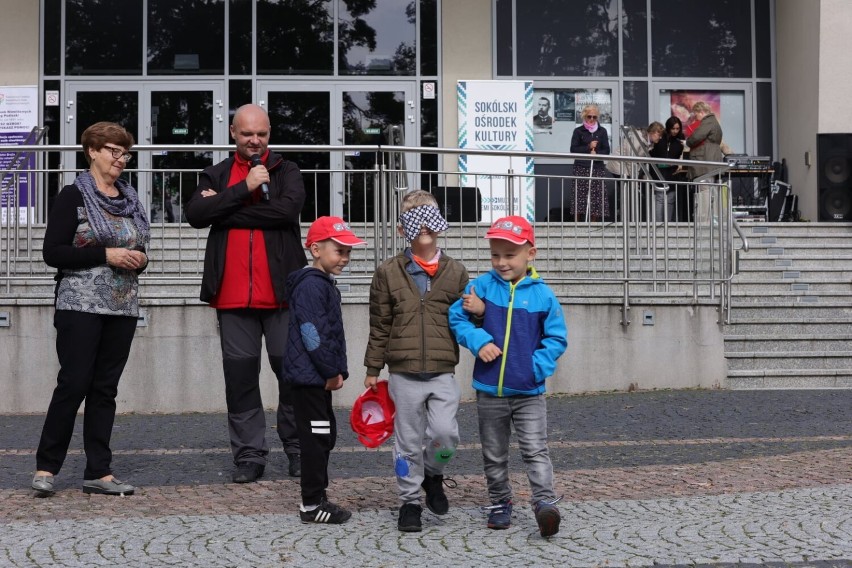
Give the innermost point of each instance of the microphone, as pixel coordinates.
(255, 161)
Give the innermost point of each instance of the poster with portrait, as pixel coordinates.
(543, 107)
(567, 105)
(682, 102)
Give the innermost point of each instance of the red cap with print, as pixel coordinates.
(333, 228)
(514, 229)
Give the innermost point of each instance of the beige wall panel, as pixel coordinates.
(798, 80)
(19, 42)
(465, 55)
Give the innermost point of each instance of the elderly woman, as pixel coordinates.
(590, 138)
(96, 237)
(705, 142)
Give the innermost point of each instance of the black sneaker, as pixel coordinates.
(327, 512)
(295, 467)
(248, 472)
(436, 499)
(547, 516)
(409, 518)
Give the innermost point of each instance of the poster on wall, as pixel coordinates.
(497, 115)
(18, 116)
(567, 107)
(682, 102)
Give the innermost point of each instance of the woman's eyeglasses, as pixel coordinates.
(592, 116)
(119, 153)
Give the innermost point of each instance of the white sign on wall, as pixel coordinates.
(497, 115)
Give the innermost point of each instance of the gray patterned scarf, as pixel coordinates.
(126, 205)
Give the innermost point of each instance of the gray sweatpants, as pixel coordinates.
(426, 433)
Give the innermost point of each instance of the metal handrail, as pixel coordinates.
(185, 245)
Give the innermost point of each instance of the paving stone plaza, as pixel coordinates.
(675, 478)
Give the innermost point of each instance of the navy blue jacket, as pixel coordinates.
(316, 348)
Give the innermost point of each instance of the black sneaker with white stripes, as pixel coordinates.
(326, 512)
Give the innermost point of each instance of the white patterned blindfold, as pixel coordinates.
(428, 216)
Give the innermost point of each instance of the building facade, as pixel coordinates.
(357, 71)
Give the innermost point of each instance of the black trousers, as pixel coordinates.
(92, 350)
(242, 332)
(317, 430)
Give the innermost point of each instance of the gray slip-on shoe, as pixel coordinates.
(111, 487)
(43, 484)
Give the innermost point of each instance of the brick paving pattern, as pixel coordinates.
(675, 478)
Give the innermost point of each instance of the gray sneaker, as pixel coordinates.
(111, 487)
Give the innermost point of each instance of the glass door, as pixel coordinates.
(90, 102)
(342, 183)
(189, 114)
(155, 113)
(301, 114)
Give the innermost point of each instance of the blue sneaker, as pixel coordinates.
(499, 515)
(547, 516)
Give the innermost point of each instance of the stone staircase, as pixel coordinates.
(581, 263)
(791, 323)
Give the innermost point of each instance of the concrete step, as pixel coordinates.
(777, 360)
(837, 274)
(790, 379)
(741, 297)
(783, 310)
(788, 343)
(769, 287)
(780, 327)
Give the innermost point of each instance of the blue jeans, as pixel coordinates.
(528, 414)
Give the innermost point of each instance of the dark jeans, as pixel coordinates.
(92, 350)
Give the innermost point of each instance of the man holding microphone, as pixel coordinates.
(251, 201)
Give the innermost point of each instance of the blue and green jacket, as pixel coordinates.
(525, 321)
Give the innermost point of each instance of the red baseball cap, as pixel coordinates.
(514, 229)
(372, 416)
(333, 228)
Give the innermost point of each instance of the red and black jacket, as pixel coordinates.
(233, 208)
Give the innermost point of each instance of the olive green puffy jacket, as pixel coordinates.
(408, 334)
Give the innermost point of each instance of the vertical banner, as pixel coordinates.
(498, 115)
(18, 116)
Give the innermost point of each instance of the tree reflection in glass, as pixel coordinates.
(103, 37)
(701, 39)
(561, 38)
(173, 44)
(375, 41)
(295, 37)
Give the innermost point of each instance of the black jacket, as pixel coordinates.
(316, 346)
(232, 209)
(582, 138)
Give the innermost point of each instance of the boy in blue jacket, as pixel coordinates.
(315, 360)
(513, 323)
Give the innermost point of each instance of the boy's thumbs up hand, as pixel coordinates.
(472, 304)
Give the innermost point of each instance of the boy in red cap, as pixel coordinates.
(518, 335)
(315, 360)
(409, 298)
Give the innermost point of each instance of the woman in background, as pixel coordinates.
(705, 144)
(589, 195)
(670, 146)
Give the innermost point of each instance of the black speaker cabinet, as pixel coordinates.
(834, 189)
(458, 203)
